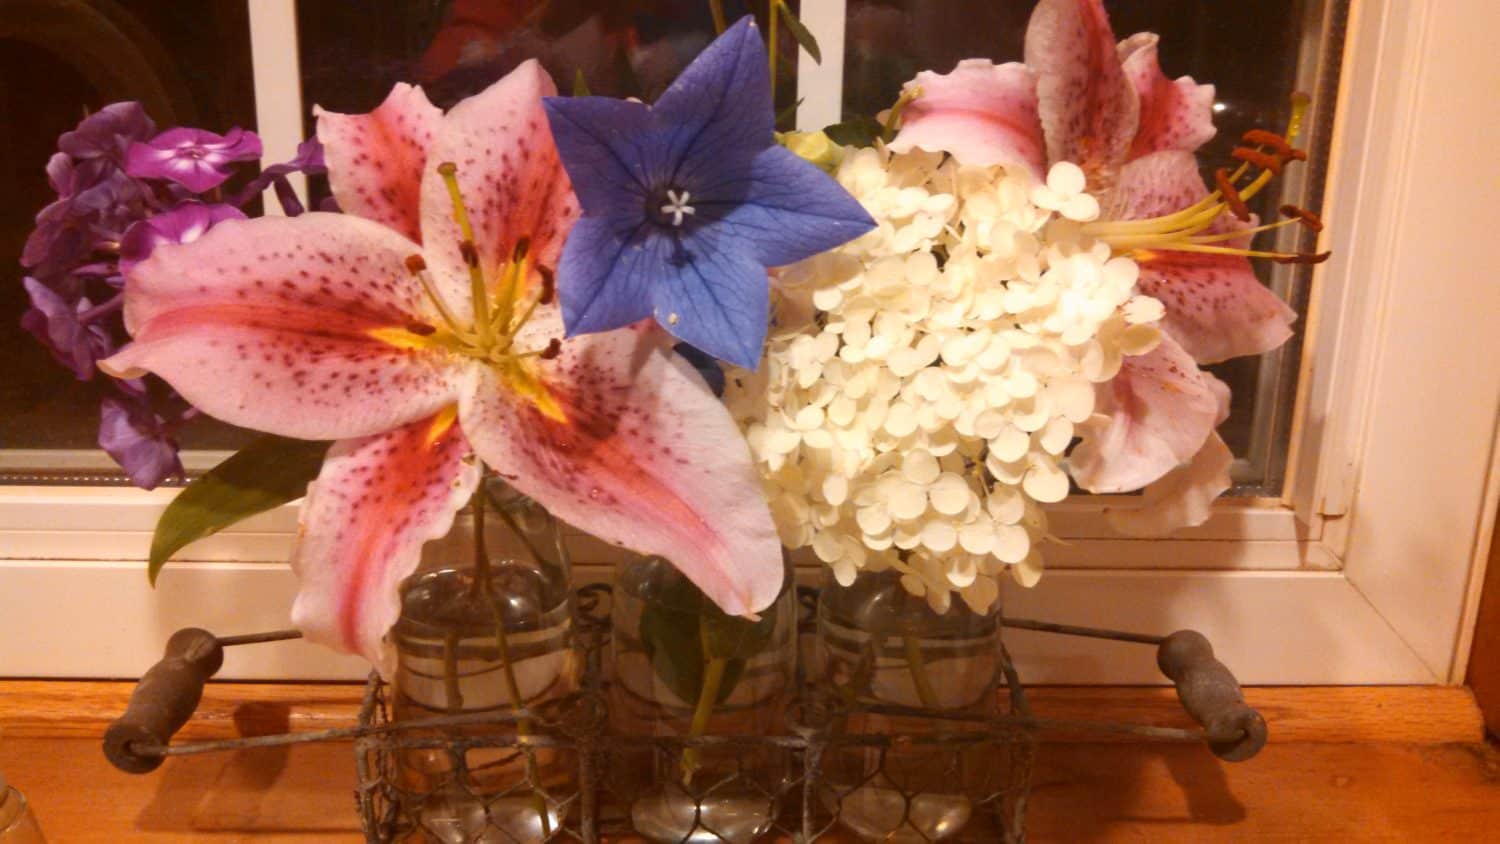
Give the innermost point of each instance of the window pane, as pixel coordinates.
(1256, 54)
(454, 49)
(59, 62)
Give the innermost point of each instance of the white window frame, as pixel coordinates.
(1367, 570)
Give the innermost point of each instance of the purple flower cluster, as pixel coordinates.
(123, 190)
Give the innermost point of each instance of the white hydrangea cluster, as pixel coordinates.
(922, 383)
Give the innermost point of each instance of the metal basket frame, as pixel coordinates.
(592, 804)
(581, 727)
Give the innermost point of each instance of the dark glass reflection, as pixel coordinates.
(187, 68)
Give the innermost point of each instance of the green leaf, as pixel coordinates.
(736, 637)
(627, 84)
(799, 32)
(788, 113)
(264, 474)
(681, 630)
(858, 131)
(580, 84)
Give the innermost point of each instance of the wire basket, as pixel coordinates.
(595, 772)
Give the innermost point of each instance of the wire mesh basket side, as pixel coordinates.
(805, 797)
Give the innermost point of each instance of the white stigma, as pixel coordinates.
(677, 206)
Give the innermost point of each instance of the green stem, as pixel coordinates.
(451, 692)
(893, 119)
(717, 8)
(713, 678)
(482, 587)
(918, 668)
(515, 527)
(773, 16)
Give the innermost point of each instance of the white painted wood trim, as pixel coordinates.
(1254, 619)
(113, 525)
(278, 87)
(820, 87)
(1425, 436)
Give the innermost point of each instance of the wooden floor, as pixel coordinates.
(1344, 765)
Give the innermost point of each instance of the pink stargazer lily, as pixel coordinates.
(1081, 98)
(418, 331)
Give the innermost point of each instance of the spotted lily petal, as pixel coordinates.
(1154, 416)
(289, 325)
(508, 173)
(1088, 108)
(1216, 306)
(634, 447)
(374, 504)
(982, 113)
(1174, 114)
(376, 160)
(1184, 496)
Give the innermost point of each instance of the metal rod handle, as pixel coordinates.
(1211, 694)
(164, 700)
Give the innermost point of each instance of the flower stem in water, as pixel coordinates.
(713, 677)
(918, 668)
(483, 587)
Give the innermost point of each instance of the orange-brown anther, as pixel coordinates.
(421, 329)
(1256, 158)
(1264, 138)
(1304, 258)
(469, 253)
(549, 286)
(1231, 196)
(415, 264)
(1304, 216)
(554, 348)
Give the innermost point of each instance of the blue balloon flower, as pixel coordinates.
(688, 201)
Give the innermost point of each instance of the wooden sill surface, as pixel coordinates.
(1345, 764)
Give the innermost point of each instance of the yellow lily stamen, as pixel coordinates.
(449, 171)
(1181, 230)
(418, 268)
(1216, 238)
(496, 323)
(510, 285)
(1279, 257)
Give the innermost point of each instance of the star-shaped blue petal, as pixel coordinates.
(687, 202)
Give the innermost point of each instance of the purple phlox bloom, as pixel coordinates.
(139, 439)
(107, 134)
(69, 328)
(194, 158)
(687, 202)
(308, 160)
(183, 224)
(73, 262)
(71, 229)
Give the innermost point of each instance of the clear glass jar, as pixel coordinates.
(17, 824)
(683, 668)
(881, 647)
(494, 642)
